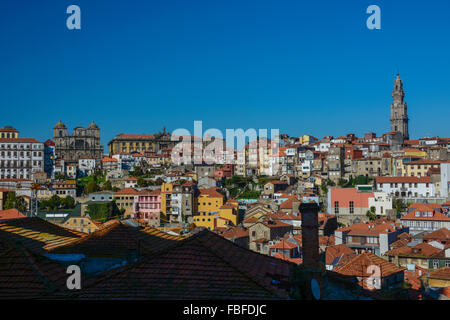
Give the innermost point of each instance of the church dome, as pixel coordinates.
(59, 125)
(93, 126)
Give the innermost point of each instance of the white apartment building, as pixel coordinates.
(20, 158)
(381, 201)
(406, 186)
(445, 179)
(87, 165)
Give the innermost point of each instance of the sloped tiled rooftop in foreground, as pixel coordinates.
(118, 240)
(35, 234)
(27, 275)
(203, 266)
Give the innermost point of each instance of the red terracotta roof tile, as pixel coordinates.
(19, 140)
(211, 192)
(441, 234)
(419, 250)
(136, 136)
(10, 214)
(284, 244)
(127, 191)
(425, 179)
(281, 256)
(235, 233)
(436, 215)
(337, 251)
(288, 204)
(358, 266)
(443, 273)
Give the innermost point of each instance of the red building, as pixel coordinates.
(353, 154)
(226, 171)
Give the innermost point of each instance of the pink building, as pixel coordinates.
(147, 206)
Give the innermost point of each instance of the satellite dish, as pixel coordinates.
(315, 288)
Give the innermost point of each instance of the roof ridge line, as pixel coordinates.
(50, 286)
(81, 238)
(113, 272)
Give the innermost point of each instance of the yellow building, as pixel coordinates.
(166, 198)
(209, 200)
(131, 143)
(44, 193)
(439, 278)
(124, 199)
(212, 213)
(419, 168)
(81, 224)
(307, 139)
(229, 211)
(411, 152)
(9, 133)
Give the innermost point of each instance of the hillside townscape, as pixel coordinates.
(365, 217)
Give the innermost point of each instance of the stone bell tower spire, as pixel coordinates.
(399, 116)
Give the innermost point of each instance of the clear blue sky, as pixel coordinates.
(305, 67)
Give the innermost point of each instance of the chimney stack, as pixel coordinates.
(310, 235)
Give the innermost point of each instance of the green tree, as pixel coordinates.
(371, 214)
(10, 202)
(92, 186)
(324, 188)
(399, 206)
(237, 180)
(98, 211)
(341, 182)
(330, 183)
(137, 172)
(250, 194)
(361, 180)
(141, 182)
(60, 176)
(107, 186)
(21, 204)
(54, 202)
(15, 202)
(68, 202)
(102, 211)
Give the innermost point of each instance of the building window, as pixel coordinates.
(352, 208)
(336, 207)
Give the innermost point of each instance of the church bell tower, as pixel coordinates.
(399, 116)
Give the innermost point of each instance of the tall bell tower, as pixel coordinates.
(399, 116)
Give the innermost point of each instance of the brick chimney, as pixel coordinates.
(310, 235)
